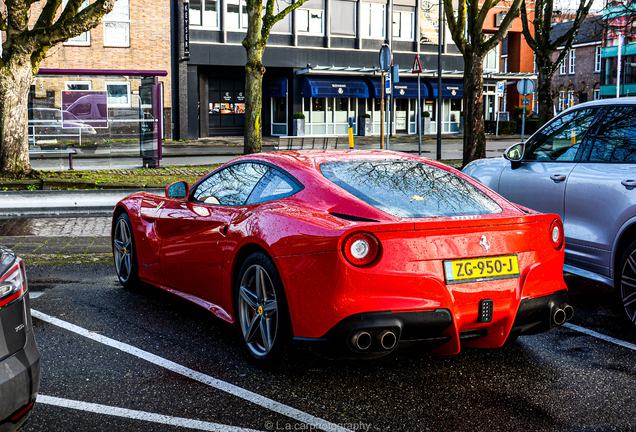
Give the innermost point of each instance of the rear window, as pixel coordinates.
(409, 189)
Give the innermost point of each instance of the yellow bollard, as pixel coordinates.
(350, 132)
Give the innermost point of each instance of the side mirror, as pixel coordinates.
(514, 154)
(178, 190)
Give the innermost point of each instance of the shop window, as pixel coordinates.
(279, 116)
(204, 13)
(403, 25)
(117, 25)
(309, 21)
(118, 94)
(373, 20)
(236, 14)
(343, 18)
(78, 85)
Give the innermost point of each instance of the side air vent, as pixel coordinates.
(352, 218)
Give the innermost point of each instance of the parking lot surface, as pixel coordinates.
(142, 360)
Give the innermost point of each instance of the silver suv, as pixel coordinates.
(581, 165)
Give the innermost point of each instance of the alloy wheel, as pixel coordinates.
(258, 311)
(628, 286)
(122, 246)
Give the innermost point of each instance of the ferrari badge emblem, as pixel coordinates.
(260, 310)
(484, 243)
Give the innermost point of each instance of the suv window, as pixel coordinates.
(560, 140)
(231, 186)
(616, 137)
(409, 189)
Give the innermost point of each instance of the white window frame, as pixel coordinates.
(563, 66)
(400, 15)
(202, 14)
(570, 100)
(561, 100)
(597, 59)
(69, 83)
(110, 20)
(597, 94)
(243, 18)
(493, 53)
(309, 28)
(85, 38)
(367, 18)
(572, 62)
(504, 64)
(118, 105)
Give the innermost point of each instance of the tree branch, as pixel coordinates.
(48, 13)
(269, 23)
(525, 29)
(501, 33)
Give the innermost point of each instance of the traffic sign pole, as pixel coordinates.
(417, 68)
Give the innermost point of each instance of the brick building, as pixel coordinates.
(134, 36)
(578, 78)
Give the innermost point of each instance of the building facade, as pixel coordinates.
(321, 60)
(134, 36)
(619, 34)
(578, 78)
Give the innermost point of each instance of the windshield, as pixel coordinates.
(409, 189)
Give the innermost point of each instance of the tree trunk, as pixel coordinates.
(544, 93)
(15, 81)
(474, 132)
(254, 71)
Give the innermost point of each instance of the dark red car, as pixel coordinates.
(361, 251)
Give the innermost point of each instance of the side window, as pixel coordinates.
(616, 138)
(561, 139)
(274, 185)
(231, 186)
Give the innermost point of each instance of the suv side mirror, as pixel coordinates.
(178, 190)
(514, 154)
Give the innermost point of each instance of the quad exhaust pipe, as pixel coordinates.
(387, 339)
(361, 340)
(560, 316)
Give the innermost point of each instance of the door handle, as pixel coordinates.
(629, 184)
(557, 177)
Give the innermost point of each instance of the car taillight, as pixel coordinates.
(556, 234)
(12, 283)
(361, 249)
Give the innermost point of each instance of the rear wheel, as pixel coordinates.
(261, 309)
(625, 282)
(124, 252)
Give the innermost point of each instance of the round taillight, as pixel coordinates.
(556, 234)
(361, 249)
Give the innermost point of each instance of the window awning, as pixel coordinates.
(405, 89)
(451, 89)
(276, 88)
(334, 87)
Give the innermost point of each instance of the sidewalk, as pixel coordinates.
(205, 151)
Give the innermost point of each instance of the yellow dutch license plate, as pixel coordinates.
(481, 269)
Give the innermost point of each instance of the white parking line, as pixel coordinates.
(139, 415)
(601, 336)
(315, 422)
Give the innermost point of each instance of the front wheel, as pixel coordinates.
(124, 252)
(261, 309)
(625, 282)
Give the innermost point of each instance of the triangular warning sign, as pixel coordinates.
(417, 66)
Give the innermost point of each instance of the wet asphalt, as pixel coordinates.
(564, 380)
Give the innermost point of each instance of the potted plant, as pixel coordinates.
(426, 122)
(366, 125)
(299, 124)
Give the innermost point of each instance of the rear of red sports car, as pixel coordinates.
(428, 257)
(359, 251)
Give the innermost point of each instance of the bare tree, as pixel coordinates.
(25, 46)
(543, 47)
(467, 31)
(258, 28)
